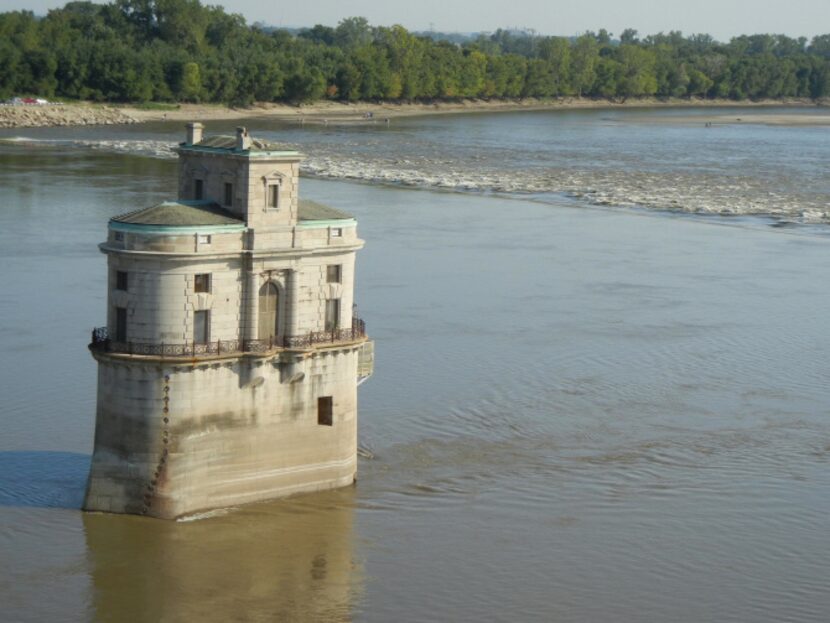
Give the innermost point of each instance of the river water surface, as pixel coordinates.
(589, 403)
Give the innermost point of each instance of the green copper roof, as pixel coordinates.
(180, 213)
(185, 213)
(228, 143)
(313, 211)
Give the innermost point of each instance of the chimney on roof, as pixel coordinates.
(194, 133)
(243, 139)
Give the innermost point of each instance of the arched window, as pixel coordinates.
(269, 314)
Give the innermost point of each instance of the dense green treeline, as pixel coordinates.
(180, 50)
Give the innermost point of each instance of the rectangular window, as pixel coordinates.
(334, 273)
(119, 236)
(228, 194)
(202, 282)
(121, 280)
(198, 189)
(120, 324)
(273, 196)
(324, 411)
(201, 327)
(336, 232)
(332, 314)
(203, 239)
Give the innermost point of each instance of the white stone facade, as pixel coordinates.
(216, 388)
(161, 296)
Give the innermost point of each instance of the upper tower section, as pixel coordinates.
(252, 179)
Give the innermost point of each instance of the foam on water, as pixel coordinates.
(628, 177)
(150, 148)
(676, 192)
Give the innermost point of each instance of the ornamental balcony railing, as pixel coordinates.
(101, 342)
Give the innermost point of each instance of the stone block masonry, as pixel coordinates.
(200, 403)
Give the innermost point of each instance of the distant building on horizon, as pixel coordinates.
(229, 366)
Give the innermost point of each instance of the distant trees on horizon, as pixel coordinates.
(183, 51)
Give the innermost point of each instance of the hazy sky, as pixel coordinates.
(720, 18)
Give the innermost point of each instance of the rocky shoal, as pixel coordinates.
(24, 116)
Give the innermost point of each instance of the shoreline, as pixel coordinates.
(337, 113)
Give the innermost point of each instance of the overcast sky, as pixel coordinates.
(722, 19)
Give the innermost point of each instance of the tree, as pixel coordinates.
(538, 81)
(305, 85)
(607, 79)
(629, 36)
(319, 34)
(699, 83)
(190, 87)
(353, 32)
(373, 67)
(10, 61)
(670, 72)
(348, 82)
(405, 53)
(135, 50)
(820, 46)
(584, 57)
(603, 37)
(473, 71)
(556, 52)
(182, 22)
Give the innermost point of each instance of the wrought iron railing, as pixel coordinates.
(101, 342)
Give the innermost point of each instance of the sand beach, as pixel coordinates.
(329, 112)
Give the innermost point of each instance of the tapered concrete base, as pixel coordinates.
(172, 440)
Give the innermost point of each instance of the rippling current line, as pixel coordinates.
(704, 193)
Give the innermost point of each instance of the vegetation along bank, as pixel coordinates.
(181, 51)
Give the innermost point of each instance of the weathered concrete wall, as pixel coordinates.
(172, 440)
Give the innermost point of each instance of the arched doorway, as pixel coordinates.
(269, 314)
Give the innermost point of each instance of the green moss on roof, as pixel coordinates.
(313, 211)
(228, 143)
(193, 213)
(182, 213)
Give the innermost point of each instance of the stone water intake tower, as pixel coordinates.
(229, 365)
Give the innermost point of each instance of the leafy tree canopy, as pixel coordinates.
(181, 50)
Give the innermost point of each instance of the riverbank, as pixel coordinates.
(337, 113)
(55, 115)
